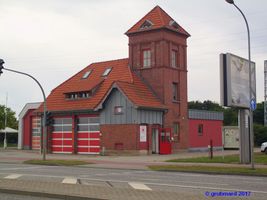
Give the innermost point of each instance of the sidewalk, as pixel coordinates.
(80, 192)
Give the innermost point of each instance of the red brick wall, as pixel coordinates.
(120, 136)
(161, 76)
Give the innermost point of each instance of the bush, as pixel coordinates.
(260, 134)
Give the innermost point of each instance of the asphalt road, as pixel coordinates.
(201, 184)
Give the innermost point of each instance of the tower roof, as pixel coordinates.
(157, 18)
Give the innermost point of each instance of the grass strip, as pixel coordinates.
(211, 169)
(259, 158)
(56, 162)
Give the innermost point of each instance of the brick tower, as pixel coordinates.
(158, 54)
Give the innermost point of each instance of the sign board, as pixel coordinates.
(234, 75)
(143, 133)
(253, 104)
(231, 137)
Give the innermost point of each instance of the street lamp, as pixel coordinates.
(250, 94)
(44, 119)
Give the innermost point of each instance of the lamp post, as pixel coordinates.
(44, 119)
(250, 94)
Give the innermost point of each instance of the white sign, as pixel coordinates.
(235, 91)
(143, 132)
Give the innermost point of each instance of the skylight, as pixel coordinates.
(86, 74)
(107, 71)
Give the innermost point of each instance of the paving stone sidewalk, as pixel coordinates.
(75, 192)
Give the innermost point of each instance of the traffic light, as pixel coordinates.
(1, 66)
(49, 119)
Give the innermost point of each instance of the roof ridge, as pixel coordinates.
(141, 19)
(105, 61)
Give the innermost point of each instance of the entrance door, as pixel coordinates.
(165, 141)
(155, 140)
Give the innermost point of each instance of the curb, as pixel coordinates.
(213, 173)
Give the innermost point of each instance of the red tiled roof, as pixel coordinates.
(130, 84)
(159, 19)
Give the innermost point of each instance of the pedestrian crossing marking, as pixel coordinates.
(70, 180)
(13, 176)
(139, 186)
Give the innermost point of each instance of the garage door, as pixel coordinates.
(88, 135)
(62, 135)
(36, 133)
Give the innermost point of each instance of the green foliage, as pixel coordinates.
(57, 162)
(210, 169)
(11, 118)
(260, 134)
(258, 114)
(259, 158)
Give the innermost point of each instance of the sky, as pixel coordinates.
(54, 39)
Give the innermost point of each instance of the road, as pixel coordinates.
(191, 183)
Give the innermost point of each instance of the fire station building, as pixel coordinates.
(136, 104)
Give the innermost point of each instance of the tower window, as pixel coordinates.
(146, 58)
(175, 92)
(174, 59)
(146, 24)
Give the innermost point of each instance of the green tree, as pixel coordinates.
(258, 114)
(11, 118)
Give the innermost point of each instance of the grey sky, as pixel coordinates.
(54, 39)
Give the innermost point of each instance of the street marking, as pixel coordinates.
(139, 186)
(70, 180)
(13, 176)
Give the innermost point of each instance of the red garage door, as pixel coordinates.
(62, 135)
(88, 135)
(36, 133)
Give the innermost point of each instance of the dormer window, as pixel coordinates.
(78, 95)
(174, 24)
(107, 71)
(86, 74)
(146, 24)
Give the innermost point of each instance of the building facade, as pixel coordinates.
(135, 105)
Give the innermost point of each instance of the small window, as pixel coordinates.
(146, 24)
(86, 74)
(146, 58)
(174, 59)
(200, 129)
(107, 71)
(175, 92)
(174, 24)
(118, 110)
(176, 131)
